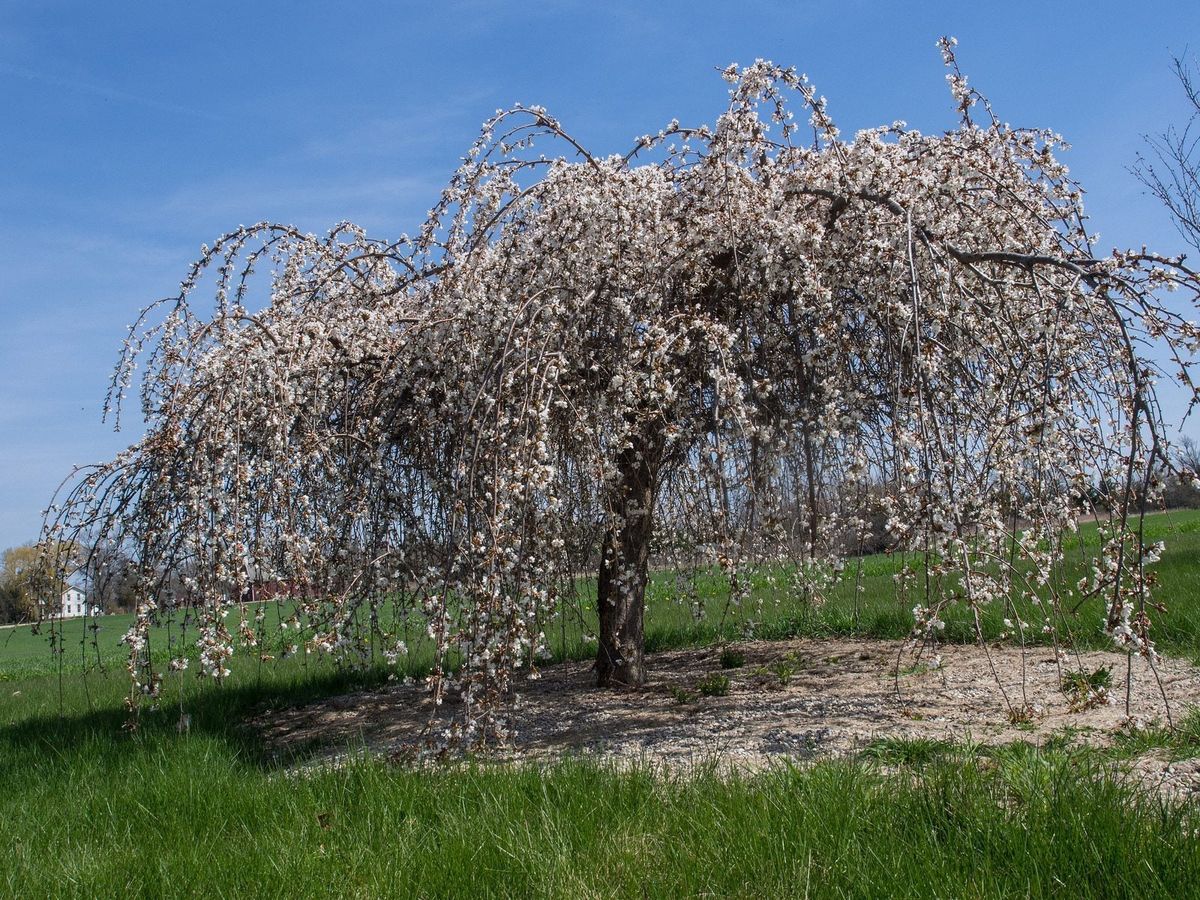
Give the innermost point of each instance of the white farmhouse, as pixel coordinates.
(74, 603)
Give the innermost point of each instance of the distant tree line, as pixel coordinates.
(30, 590)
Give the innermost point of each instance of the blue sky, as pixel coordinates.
(133, 132)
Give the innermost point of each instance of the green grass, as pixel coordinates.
(771, 612)
(150, 823)
(714, 685)
(1181, 742)
(78, 644)
(1065, 746)
(89, 809)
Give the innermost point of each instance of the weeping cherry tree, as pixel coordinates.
(739, 348)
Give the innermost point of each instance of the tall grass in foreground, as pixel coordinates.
(196, 822)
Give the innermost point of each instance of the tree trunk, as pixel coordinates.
(624, 567)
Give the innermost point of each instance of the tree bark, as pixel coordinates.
(624, 568)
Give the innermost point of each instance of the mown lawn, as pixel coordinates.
(771, 612)
(89, 809)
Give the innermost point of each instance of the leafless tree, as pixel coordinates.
(1171, 168)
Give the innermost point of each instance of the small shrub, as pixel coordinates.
(1086, 690)
(732, 658)
(681, 695)
(715, 685)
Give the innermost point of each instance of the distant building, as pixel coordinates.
(74, 603)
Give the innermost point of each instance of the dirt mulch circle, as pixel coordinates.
(797, 700)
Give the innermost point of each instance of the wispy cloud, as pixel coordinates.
(44, 270)
(318, 202)
(389, 135)
(84, 85)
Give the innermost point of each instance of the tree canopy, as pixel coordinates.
(756, 343)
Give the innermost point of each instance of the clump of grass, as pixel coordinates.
(921, 666)
(778, 674)
(1021, 716)
(783, 669)
(732, 658)
(715, 685)
(681, 695)
(1187, 733)
(1181, 742)
(908, 751)
(1085, 690)
(1062, 740)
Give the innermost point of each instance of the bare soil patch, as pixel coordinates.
(796, 700)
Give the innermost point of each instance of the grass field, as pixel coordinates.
(771, 613)
(88, 809)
